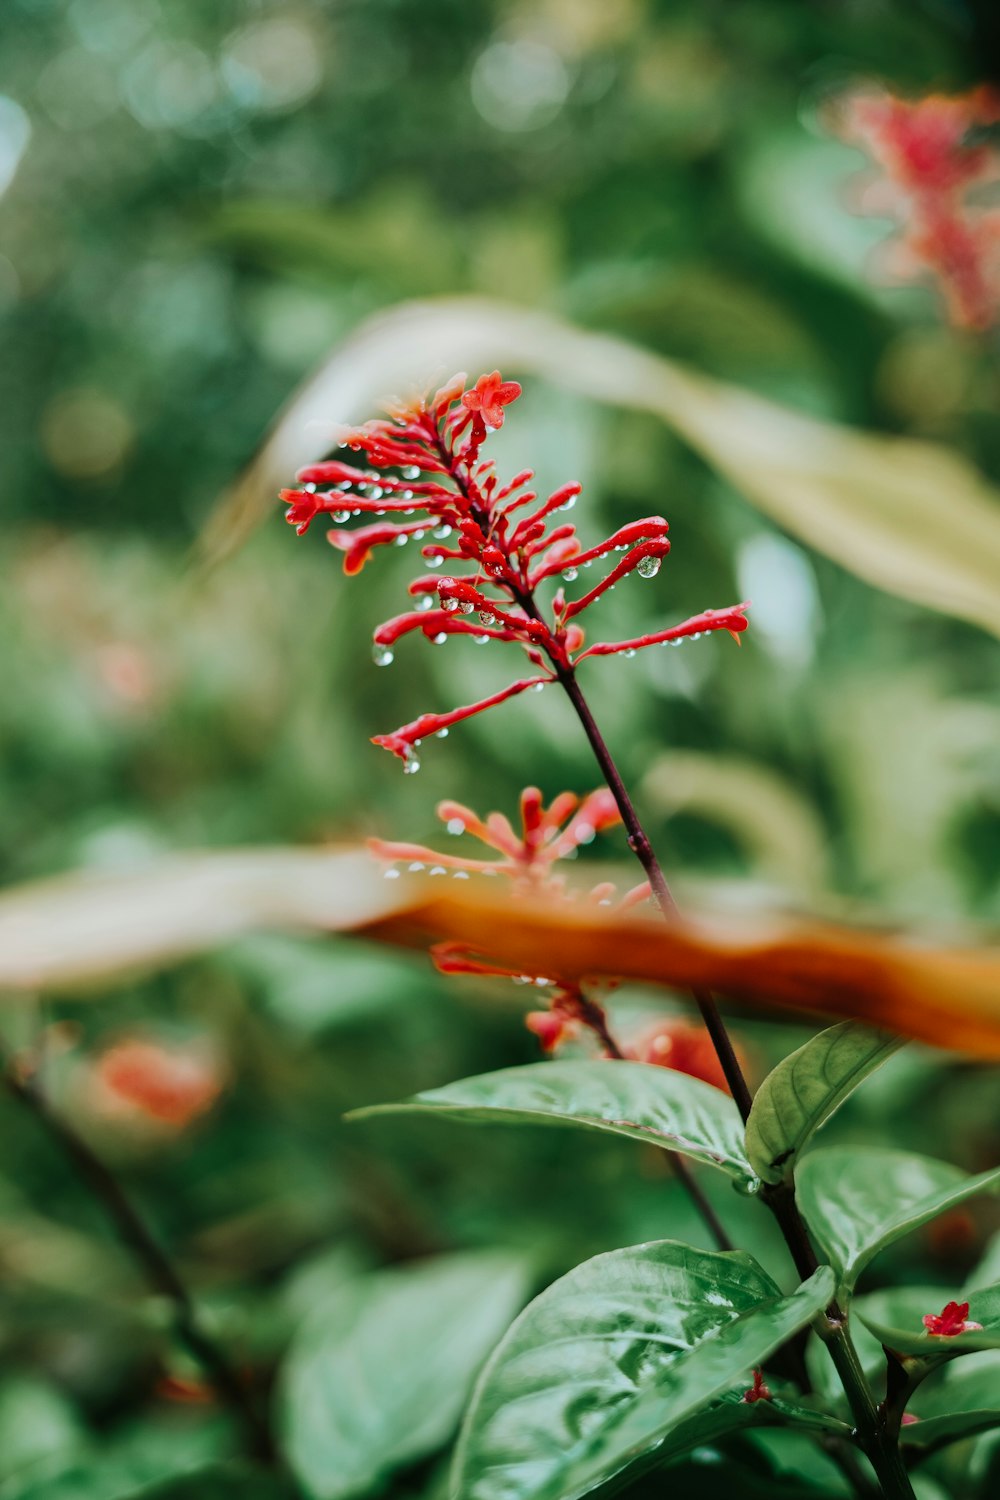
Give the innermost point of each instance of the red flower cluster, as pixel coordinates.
(547, 834)
(951, 1320)
(426, 458)
(169, 1086)
(927, 150)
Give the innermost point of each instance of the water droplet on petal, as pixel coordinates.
(438, 870)
(440, 638)
(442, 532)
(402, 539)
(570, 575)
(382, 656)
(466, 607)
(455, 825)
(629, 653)
(536, 687)
(567, 504)
(441, 734)
(480, 640)
(425, 602)
(391, 874)
(411, 765)
(411, 471)
(461, 874)
(648, 567)
(416, 866)
(340, 516)
(434, 561)
(487, 618)
(450, 606)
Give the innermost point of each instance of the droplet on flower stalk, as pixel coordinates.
(411, 765)
(570, 575)
(340, 516)
(438, 870)
(391, 874)
(441, 734)
(402, 539)
(466, 607)
(536, 687)
(411, 471)
(480, 640)
(648, 567)
(425, 602)
(434, 561)
(567, 504)
(461, 874)
(455, 826)
(416, 867)
(442, 533)
(487, 618)
(440, 638)
(382, 656)
(450, 606)
(629, 653)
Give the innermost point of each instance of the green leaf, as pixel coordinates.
(895, 1315)
(380, 1375)
(611, 1358)
(928, 1436)
(804, 1090)
(655, 1105)
(857, 1200)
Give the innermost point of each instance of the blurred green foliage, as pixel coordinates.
(209, 198)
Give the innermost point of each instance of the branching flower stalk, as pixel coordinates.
(425, 458)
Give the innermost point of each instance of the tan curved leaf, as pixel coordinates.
(911, 517)
(74, 932)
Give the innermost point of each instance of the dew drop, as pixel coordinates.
(466, 607)
(442, 533)
(570, 575)
(480, 640)
(440, 638)
(450, 606)
(455, 826)
(521, 978)
(629, 653)
(584, 833)
(411, 471)
(392, 874)
(310, 489)
(438, 870)
(411, 765)
(418, 536)
(461, 874)
(536, 687)
(410, 511)
(434, 561)
(648, 567)
(487, 618)
(416, 867)
(567, 504)
(340, 516)
(402, 539)
(376, 491)
(441, 734)
(382, 656)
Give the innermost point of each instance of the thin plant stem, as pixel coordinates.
(160, 1272)
(880, 1447)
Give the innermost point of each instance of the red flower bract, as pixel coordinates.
(951, 1320)
(426, 462)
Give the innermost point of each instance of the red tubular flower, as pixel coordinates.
(951, 1320)
(685, 1048)
(425, 459)
(930, 164)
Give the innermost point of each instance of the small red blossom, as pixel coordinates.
(489, 546)
(758, 1391)
(685, 1048)
(929, 161)
(171, 1086)
(951, 1320)
(489, 396)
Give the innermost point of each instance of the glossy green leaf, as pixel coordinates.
(928, 1436)
(655, 1105)
(859, 1199)
(379, 1375)
(895, 1315)
(611, 1358)
(805, 1089)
